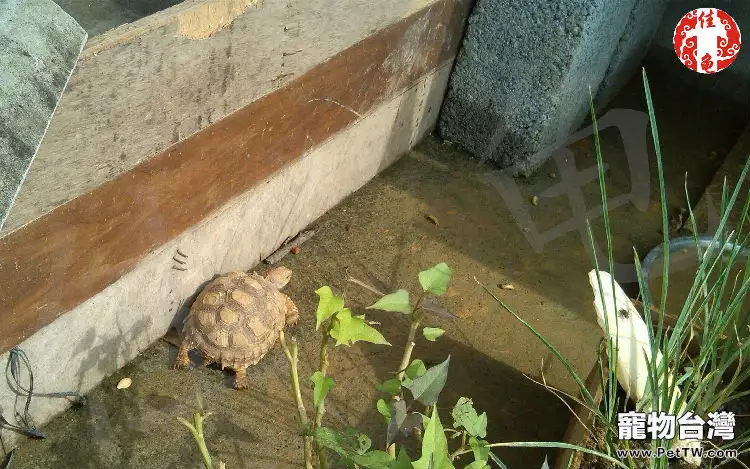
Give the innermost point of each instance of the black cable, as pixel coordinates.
(13, 376)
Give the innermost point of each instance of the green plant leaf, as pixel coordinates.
(480, 449)
(402, 461)
(431, 305)
(349, 444)
(374, 460)
(364, 443)
(384, 410)
(413, 421)
(328, 305)
(434, 446)
(435, 279)
(398, 415)
(415, 369)
(397, 302)
(432, 333)
(348, 329)
(401, 423)
(477, 465)
(464, 415)
(321, 386)
(347, 463)
(392, 387)
(329, 438)
(427, 387)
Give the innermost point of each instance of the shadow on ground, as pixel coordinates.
(382, 236)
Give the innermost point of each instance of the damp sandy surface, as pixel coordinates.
(381, 236)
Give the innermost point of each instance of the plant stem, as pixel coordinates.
(198, 419)
(291, 355)
(322, 455)
(416, 319)
(197, 430)
(364, 285)
(460, 449)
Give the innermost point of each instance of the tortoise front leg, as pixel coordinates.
(292, 313)
(240, 378)
(182, 357)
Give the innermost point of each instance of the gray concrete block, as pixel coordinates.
(39, 47)
(523, 74)
(645, 20)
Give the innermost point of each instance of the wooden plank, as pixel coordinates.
(144, 86)
(109, 329)
(65, 257)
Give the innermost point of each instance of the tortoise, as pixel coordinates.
(236, 319)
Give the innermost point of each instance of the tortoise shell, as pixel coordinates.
(236, 319)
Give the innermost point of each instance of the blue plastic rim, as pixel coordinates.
(676, 244)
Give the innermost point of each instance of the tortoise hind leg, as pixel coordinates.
(207, 360)
(240, 378)
(292, 313)
(182, 357)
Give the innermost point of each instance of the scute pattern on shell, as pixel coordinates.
(236, 319)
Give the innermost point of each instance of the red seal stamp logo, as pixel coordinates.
(707, 40)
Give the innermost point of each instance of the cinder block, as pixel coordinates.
(522, 79)
(644, 21)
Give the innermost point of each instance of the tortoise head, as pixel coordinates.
(279, 276)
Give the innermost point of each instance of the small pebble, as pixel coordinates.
(295, 250)
(124, 383)
(552, 175)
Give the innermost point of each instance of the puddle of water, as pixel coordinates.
(683, 269)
